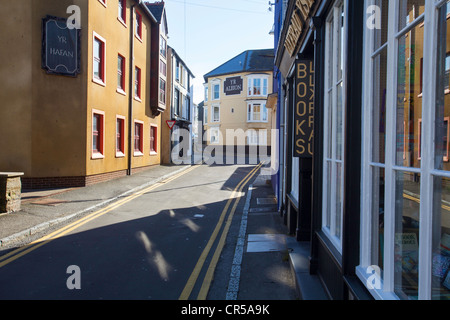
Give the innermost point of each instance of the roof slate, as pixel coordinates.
(247, 61)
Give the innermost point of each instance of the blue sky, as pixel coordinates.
(207, 33)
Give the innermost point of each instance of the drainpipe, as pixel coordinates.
(131, 91)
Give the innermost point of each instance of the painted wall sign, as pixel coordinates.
(299, 17)
(233, 86)
(304, 109)
(60, 47)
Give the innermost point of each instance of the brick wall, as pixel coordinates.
(73, 182)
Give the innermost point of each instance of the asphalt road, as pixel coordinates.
(156, 244)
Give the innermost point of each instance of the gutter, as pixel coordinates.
(131, 93)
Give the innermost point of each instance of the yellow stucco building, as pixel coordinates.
(101, 122)
(235, 108)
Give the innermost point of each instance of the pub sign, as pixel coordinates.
(233, 86)
(60, 47)
(304, 109)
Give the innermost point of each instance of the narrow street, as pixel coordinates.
(154, 244)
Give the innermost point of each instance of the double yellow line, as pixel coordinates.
(17, 253)
(212, 266)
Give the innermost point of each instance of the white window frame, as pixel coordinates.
(264, 85)
(215, 83)
(427, 170)
(250, 114)
(214, 132)
(213, 120)
(330, 231)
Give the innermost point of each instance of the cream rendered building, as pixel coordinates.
(235, 112)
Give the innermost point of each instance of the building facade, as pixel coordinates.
(95, 124)
(178, 140)
(235, 100)
(377, 222)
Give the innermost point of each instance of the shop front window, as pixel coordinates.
(440, 243)
(405, 202)
(334, 131)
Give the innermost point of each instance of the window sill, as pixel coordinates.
(138, 37)
(120, 154)
(103, 3)
(153, 153)
(138, 154)
(122, 22)
(96, 156)
(118, 90)
(137, 99)
(99, 82)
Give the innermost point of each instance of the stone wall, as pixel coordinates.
(10, 192)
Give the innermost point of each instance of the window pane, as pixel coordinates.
(330, 124)
(409, 10)
(378, 178)
(409, 99)
(441, 185)
(338, 212)
(256, 112)
(330, 53)
(340, 44)
(379, 107)
(381, 34)
(406, 246)
(339, 123)
(442, 92)
(441, 239)
(329, 195)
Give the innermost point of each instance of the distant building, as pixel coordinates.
(180, 109)
(78, 107)
(235, 99)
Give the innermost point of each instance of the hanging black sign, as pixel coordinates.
(60, 47)
(233, 86)
(304, 109)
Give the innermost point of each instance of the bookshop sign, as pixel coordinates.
(304, 109)
(60, 47)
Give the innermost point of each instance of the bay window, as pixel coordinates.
(258, 85)
(405, 208)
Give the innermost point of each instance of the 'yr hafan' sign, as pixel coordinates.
(60, 47)
(304, 109)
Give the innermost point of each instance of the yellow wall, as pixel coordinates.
(46, 120)
(103, 21)
(37, 138)
(237, 119)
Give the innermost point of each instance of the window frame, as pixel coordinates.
(213, 119)
(429, 21)
(263, 85)
(153, 139)
(120, 145)
(122, 11)
(98, 153)
(334, 231)
(263, 111)
(138, 30)
(138, 139)
(101, 60)
(122, 73)
(213, 130)
(137, 83)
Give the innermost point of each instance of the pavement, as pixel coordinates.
(260, 262)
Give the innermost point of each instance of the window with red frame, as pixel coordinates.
(121, 73)
(122, 13)
(138, 25)
(138, 137)
(99, 59)
(153, 139)
(97, 134)
(120, 136)
(137, 82)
